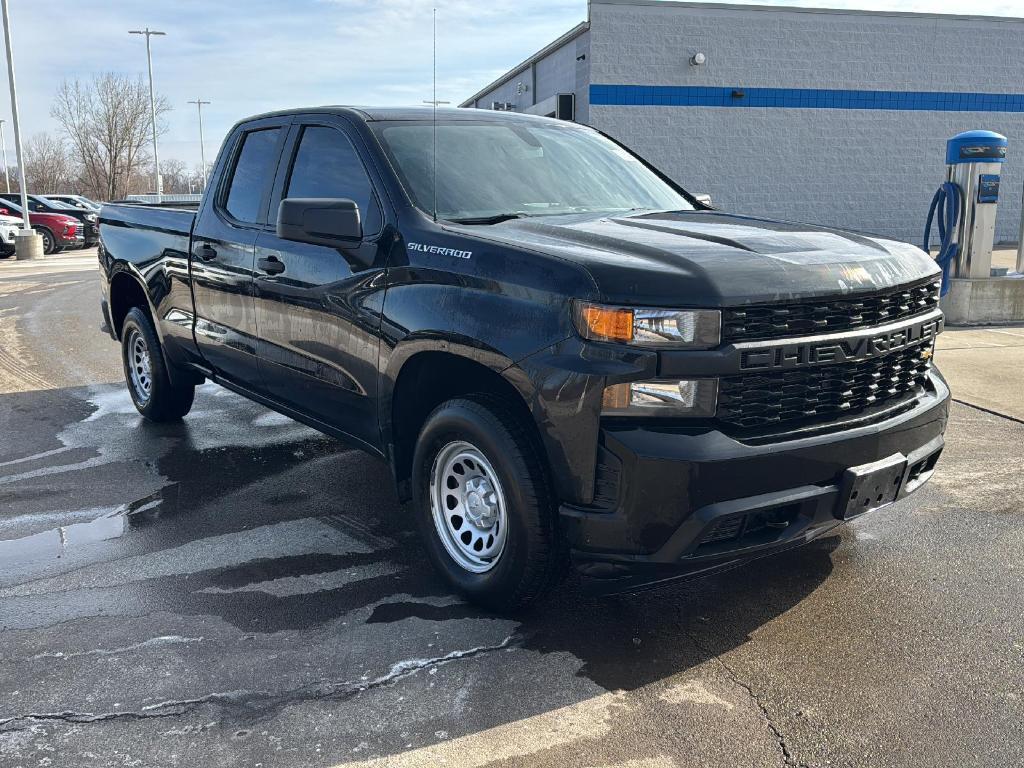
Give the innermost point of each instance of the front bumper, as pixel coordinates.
(672, 505)
(69, 241)
(90, 233)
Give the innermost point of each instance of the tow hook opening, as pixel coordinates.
(750, 529)
(920, 471)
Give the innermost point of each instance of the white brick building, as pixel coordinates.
(829, 116)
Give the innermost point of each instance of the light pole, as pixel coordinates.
(3, 144)
(1020, 241)
(152, 105)
(202, 145)
(29, 244)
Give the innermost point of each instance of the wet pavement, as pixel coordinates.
(239, 590)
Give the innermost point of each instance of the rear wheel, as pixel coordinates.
(49, 244)
(484, 505)
(155, 396)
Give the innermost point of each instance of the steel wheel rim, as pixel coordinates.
(140, 366)
(468, 507)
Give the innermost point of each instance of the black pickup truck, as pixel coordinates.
(561, 353)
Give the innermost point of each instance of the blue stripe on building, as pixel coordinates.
(802, 98)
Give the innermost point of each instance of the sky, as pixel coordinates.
(259, 55)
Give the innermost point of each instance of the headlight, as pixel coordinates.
(90, 217)
(650, 327)
(694, 398)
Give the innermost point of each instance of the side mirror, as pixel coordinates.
(319, 221)
(704, 199)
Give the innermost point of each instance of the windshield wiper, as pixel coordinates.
(495, 219)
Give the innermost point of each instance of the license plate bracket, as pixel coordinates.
(870, 486)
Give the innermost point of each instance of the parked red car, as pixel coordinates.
(58, 231)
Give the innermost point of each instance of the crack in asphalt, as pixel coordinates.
(338, 691)
(153, 641)
(787, 756)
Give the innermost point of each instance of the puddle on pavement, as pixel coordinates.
(255, 519)
(53, 543)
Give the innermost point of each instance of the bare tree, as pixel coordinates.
(176, 176)
(200, 174)
(107, 122)
(49, 166)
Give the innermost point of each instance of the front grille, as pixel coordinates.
(776, 321)
(801, 395)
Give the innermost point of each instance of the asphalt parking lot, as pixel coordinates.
(239, 590)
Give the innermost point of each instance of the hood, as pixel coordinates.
(707, 258)
(57, 218)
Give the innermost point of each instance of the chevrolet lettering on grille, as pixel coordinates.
(850, 348)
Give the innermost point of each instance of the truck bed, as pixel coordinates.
(140, 233)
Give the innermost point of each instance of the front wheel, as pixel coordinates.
(484, 504)
(155, 396)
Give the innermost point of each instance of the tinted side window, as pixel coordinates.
(326, 165)
(252, 171)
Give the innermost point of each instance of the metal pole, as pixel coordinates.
(152, 112)
(26, 225)
(1020, 240)
(152, 106)
(202, 144)
(3, 143)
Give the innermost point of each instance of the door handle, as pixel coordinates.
(271, 265)
(206, 252)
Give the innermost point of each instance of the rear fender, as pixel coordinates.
(120, 272)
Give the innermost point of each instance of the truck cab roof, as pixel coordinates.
(374, 114)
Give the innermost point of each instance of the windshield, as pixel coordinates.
(76, 201)
(85, 203)
(56, 204)
(492, 169)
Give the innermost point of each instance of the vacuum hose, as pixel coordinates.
(947, 203)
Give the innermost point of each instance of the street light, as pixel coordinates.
(3, 144)
(152, 104)
(202, 146)
(28, 244)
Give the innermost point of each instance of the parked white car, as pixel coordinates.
(9, 225)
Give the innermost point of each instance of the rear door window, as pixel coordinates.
(252, 174)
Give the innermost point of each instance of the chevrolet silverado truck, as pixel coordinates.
(562, 355)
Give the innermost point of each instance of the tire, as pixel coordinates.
(49, 243)
(155, 396)
(513, 564)
(7, 252)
